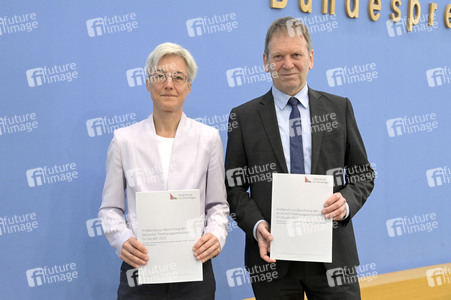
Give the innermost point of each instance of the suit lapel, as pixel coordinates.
(316, 109)
(269, 119)
(148, 156)
(184, 149)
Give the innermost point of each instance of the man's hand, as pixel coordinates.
(134, 253)
(264, 238)
(206, 247)
(335, 207)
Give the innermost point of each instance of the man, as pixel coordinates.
(260, 137)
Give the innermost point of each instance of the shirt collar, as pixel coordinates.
(281, 99)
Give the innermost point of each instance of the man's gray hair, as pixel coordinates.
(288, 26)
(168, 49)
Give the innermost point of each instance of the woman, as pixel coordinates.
(167, 151)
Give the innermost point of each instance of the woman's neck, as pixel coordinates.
(166, 123)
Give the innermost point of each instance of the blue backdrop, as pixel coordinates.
(72, 72)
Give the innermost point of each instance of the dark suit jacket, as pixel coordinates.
(254, 140)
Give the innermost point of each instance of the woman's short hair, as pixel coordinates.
(167, 49)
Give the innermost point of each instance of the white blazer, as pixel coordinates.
(134, 165)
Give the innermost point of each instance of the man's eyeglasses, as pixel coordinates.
(177, 78)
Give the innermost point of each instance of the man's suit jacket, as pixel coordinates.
(134, 165)
(254, 140)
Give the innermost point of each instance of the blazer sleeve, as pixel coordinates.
(112, 209)
(216, 206)
(243, 208)
(360, 180)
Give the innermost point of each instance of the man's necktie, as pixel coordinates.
(296, 149)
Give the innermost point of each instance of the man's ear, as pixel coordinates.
(265, 61)
(311, 60)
